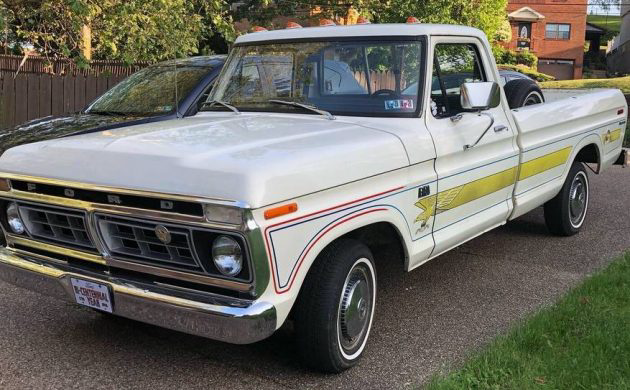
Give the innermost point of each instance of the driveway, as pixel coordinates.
(426, 320)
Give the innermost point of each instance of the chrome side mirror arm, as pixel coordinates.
(466, 147)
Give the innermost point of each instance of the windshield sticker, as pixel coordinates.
(399, 104)
(163, 108)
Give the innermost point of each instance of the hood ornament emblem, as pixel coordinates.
(163, 234)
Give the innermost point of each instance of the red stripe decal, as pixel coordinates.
(268, 248)
(301, 260)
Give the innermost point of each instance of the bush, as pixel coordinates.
(504, 56)
(526, 58)
(527, 71)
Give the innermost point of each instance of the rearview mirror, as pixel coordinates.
(480, 96)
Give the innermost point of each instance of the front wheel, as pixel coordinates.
(335, 308)
(565, 214)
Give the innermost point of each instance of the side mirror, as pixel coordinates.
(480, 96)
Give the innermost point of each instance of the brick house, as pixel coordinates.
(554, 30)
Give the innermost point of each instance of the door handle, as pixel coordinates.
(500, 128)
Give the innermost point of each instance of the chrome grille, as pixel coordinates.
(60, 226)
(137, 240)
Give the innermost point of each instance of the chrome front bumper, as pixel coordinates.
(234, 321)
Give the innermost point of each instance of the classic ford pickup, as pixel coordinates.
(319, 150)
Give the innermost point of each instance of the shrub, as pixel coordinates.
(504, 56)
(526, 58)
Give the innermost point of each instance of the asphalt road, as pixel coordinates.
(426, 321)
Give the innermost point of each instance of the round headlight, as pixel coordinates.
(227, 255)
(13, 218)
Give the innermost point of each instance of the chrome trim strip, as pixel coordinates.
(125, 191)
(18, 240)
(179, 275)
(162, 272)
(231, 320)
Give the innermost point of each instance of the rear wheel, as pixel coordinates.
(522, 92)
(335, 308)
(565, 214)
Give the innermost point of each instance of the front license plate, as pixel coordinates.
(92, 294)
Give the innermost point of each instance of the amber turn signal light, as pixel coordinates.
(5, 186)
(326, 23)
(281, 210)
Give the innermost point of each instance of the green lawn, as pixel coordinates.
(622, 83)
(582, 342)
(610, 22)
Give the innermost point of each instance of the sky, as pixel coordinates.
(598, 10)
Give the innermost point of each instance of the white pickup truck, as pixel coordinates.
(318, 148)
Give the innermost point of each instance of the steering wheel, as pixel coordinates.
(384, 92)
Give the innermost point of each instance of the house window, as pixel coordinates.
(557, 31)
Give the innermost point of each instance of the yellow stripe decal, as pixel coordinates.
(544, 163)
(611, 136)
(468, 192)
(458, 196)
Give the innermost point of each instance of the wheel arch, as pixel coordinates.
(589, 151)
(380, 231)
(377, 230)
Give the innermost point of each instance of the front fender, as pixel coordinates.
(292, 249)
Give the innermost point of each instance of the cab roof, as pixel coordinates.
(362, 30)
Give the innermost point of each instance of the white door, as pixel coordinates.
(474, 185)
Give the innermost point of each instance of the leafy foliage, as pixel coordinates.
(487, 15)
(128, 30)
(154, 30)
(509, 57)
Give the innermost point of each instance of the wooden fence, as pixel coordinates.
(378, 80)
(37, 87)
(37, 64)
(35, 95)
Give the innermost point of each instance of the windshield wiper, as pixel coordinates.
(221, 103)
(326, 114)
(108, 113)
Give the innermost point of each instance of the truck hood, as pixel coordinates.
(258, 159)
(56, 127)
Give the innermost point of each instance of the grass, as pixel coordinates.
(622, 83)
(582, 342)
(608, 22)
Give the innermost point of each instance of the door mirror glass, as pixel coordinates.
(480, 96)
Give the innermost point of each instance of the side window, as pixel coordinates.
(453, 65)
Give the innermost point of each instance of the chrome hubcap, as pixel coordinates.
(578, 197)
(532, 99)
(356, 307)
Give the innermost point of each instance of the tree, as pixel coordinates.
(128, 30)
(264, 12)
(487, 15)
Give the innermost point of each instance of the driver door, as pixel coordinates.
(474, 185)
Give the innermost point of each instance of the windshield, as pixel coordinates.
(370, 78)
(150, 91)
